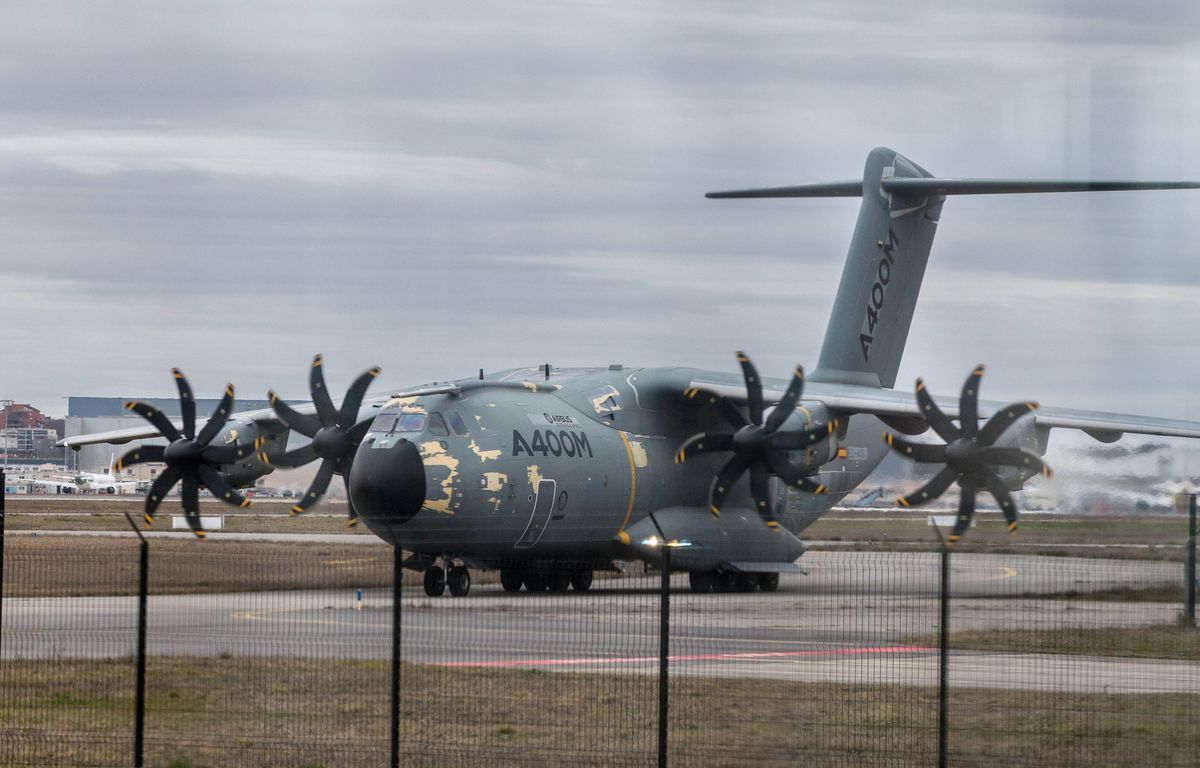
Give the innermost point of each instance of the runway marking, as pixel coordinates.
(733, 656)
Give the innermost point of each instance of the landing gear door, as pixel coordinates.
(543, 505)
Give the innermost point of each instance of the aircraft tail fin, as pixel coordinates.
(901, 205)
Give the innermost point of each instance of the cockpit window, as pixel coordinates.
(410, 422)
(456, 423)
(437, 425)
(384, 422)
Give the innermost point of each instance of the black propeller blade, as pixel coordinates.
(189, 457)
(969, 454)
(757, 446)
(335, 435)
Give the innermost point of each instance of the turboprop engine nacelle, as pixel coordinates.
(1022, 434)
(806, 416)
(242, 431)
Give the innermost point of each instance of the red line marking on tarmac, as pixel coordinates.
(745, 656)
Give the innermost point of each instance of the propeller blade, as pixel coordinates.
(320, 394)
(724, 480)
(933, 415)
(754, 395)
(359, 431)
(319, 484)
(802, 438)
(923, 452)
(966, 509)
(140, 455)
(703, 443)
(151, 414)
(760, 489)
(159, 489)
(1002, 420)
(352, 518)
(220, 488)
(788, 403)
(294, 458)
(930, 491)
(1015, 457)
(792, 475)
(968, 403)
(187, 403)
(218, 418)
(191, 504)
(299, 422)
(999, 491)
(729, 411)
(354, 397)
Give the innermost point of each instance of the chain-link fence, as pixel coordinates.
(267, 653)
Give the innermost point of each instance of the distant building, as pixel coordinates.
(27, 435)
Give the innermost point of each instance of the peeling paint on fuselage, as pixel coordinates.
(434, 454)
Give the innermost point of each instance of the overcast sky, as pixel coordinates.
(439, 187)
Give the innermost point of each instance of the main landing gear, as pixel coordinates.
(703, 582)
(558, 581)
(458, 580)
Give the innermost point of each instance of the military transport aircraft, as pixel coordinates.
(549, 474)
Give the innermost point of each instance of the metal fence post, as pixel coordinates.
(397, 583)
(1189, 570)
(140, 695)
(664, 648)
(944, 658)
(2, 485)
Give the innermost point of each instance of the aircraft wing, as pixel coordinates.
(145, 431)
(849, 398)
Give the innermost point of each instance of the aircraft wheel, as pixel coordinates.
(535, 582)
(725, 581)
(768, 582)
(558, 582)
(702, 582)
(745, 582)
(511, 579)
(581, 581)
(459, 581)
(435, 581)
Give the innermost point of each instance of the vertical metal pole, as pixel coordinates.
(2, 482)
(1189, 570)
(397, 583)
(139, 727)
(664, 648)
(944, 658)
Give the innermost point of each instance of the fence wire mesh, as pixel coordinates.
(278, 654)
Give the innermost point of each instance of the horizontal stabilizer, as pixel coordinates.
(916, 187)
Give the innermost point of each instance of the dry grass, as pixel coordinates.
(259, 712)
(60, 566)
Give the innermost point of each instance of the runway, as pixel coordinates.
(856, 618)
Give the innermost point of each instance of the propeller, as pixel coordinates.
(190, 458)
(969, 454)
(335, 435)
(758, 446)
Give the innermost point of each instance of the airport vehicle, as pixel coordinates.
(549, 474)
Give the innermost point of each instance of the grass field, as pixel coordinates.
(1174, 642)
(289, 712)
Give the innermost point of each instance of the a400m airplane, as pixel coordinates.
(549, 474)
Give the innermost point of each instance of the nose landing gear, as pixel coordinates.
(458, 579)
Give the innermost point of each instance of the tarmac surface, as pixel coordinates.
(861, 617)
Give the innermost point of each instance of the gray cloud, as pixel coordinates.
(232, 188)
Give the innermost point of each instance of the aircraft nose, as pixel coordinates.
(387, 484)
